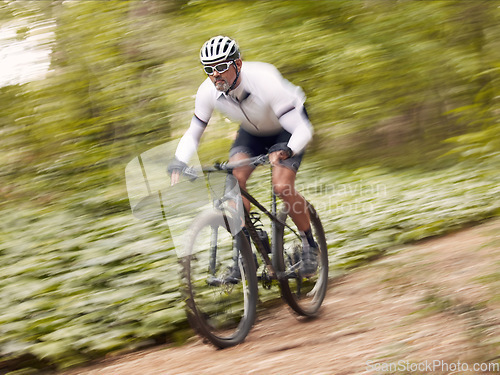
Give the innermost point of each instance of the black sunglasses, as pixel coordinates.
(221, 68)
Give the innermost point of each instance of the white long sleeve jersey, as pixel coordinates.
(264, 103)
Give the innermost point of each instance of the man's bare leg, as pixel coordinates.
(284, 187)
(242, 174)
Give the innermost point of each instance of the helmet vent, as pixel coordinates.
(219, 48)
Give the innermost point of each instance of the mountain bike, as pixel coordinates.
(222, 308)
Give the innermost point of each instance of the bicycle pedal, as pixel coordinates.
(214, 281)
(231, 280)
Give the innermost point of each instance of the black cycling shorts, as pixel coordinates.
(254, 145)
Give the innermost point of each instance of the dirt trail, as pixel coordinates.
(435, 305)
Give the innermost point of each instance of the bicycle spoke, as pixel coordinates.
(222, 307)
(303, 294)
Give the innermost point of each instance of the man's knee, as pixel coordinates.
(242, 176)
(283, 189)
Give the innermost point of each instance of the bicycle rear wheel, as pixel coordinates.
(220, 308)
(303, 294)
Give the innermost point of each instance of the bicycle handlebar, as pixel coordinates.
(192, 173)
(226, 166)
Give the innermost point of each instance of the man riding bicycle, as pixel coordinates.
(273, 120)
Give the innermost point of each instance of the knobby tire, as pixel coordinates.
(303, 295)
(221, 312)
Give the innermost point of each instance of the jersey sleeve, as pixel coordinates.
(287, 102)
(298, 125)
(203, 109)
(190, 140)
(283, 96)
(205, 101)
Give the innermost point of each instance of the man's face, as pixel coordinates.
(223, 81)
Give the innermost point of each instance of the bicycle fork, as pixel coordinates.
(213, 252)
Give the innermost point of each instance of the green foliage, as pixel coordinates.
(388, 83)
(74, 288)
(371, 210)
(384, 80)
(71, 288)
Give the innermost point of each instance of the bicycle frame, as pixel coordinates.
(232, 278)
(271, 268)
(253, 232)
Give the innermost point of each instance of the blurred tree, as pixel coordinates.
(384, 79)
(103, 101)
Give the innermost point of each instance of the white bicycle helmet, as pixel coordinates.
(218, 49)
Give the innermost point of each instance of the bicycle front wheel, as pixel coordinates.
(303, 294)
(220, 281)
